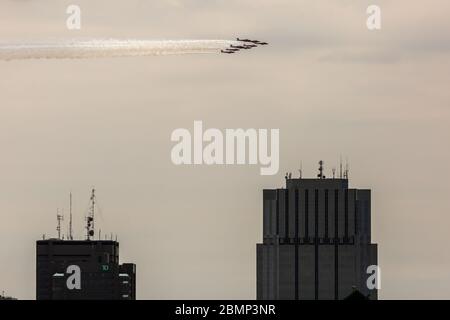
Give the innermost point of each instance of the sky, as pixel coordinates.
(332, 87)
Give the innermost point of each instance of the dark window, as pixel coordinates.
(306, 215)
(326, 214)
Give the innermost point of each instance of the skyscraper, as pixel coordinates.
(82, 269)
(317, 240)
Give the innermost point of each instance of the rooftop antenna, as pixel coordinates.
(70, 218)
(320, 175)
(59, 218)
(90, 227)
(300, 170)
(346, 169)
(99, 234)
(340, 167)
(334, 172)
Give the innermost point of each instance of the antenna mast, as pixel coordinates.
(90, 218)
(70, 218)
(321, 175)
(59, 218)
(346, 169)
(301, 169)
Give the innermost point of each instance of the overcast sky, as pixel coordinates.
(331, 86)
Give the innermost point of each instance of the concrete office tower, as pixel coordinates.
(82, 269)
(317, 240)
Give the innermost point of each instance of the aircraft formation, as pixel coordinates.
(246, 45)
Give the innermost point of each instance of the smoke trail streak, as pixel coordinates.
(79, 49)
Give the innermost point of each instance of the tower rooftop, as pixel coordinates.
(317, 183)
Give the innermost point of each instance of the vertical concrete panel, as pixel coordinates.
(273, 218)
(326, 272)
(321, 215)
(364, 213)
(347, 270)
(331, 213)
(311, 214)
(266, 272)
(341, 213)
(351, 212)
(368, 257)
(286, 269)
(261, 282)
(282, 213)
(292, 215)
(301, 213)
(306, 272)
(267, 213)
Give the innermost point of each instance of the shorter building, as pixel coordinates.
(3, 297)
(82, 270)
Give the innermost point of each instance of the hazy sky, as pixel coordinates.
(331, 86)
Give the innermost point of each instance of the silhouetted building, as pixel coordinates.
(77, 269)
(5, 297)
(317, 241)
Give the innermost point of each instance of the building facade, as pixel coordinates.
(316, 241)
(85, 270)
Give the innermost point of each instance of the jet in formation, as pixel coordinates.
(256, 42)
(246, 45)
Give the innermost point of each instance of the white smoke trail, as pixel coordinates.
(79, 49)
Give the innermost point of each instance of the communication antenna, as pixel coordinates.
(59, 218)
(90, 227)
(340, 167)
(334, 172)
(320, 175)
(346, 169)
(70, 218)
(300, 171)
